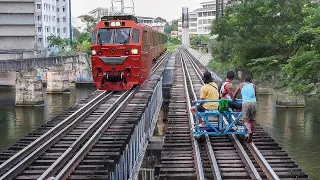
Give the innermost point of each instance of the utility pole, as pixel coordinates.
(217, 9)
(70, 22)
(122, 7)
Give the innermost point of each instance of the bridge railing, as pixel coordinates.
(131, 159)
(25, 64)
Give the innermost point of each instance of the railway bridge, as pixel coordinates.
(109, 135)
(28, 76)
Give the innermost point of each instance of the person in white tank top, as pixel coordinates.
(226, 91)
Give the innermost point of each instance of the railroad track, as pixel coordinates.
(215, 157)
(95, 130)
(267, 157)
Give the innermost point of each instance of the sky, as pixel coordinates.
(167, 9)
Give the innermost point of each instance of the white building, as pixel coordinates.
(52, 17)
(145, 20)
(17, 29)
(200, 20)
(150, 22)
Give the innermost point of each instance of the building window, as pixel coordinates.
(64, 19)
(39, 29)
(57, 9)
(48, 29)
(52, 7)
(200, 21)
(63, 9)
(54, 30)
(58, 30)
(64, 30)
(40, 40)
(53, 19)
(200, 14)
(205, 14)
(38, 6)
(58, 19)
(39, 18)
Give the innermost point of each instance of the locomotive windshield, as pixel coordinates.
(114, 36)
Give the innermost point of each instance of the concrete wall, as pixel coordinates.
(10, 43)
(17, 19)
(7, 78)
(9, 56)
(17, 25)
(14, 30)
(16, 7)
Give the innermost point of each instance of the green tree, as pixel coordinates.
(90, 22)
(167, 28)
(261, 36)
(160, 20)
(58, 42)
(174, 25)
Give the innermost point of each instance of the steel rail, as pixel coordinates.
(20, 166)
(242, 152)
(75, 161)
(212, 157)
(80, 140)
(33, 149)
(159, 62)
(265, 163)
(198, 162)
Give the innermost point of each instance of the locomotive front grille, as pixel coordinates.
(113, 60)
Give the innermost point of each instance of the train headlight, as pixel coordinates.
(93, 52)
(115, 24)
(134, 51)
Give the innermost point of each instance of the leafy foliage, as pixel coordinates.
(278, 41)
(90, 22)
(160, 20)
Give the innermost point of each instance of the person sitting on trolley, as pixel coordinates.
(209, 91)
(226, 92)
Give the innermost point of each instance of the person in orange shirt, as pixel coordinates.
(209, 91)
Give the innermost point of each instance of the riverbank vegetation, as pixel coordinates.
(277, 41)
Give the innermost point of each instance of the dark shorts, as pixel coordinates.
(200, 108)
(249, 110)
(234, 105)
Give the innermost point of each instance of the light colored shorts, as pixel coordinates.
(249, 110)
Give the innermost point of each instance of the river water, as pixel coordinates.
(296, 130)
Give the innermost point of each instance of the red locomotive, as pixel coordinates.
(122, 52)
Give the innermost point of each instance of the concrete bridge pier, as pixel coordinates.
(58, 80)
(28, 89)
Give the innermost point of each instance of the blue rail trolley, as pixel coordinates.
(228, 122)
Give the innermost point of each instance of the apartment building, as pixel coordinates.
(17, 29)
(145, 20)
(150, 22)
(52, 17)
(200, 20)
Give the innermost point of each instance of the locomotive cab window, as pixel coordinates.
(114, 36)
(135, 36)
(94, 37)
